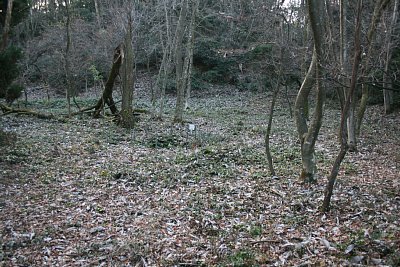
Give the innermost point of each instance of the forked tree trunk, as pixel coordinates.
(301, 116)
(308, 134)
(107, 97)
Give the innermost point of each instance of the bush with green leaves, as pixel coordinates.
(13, 92)
(213, 67)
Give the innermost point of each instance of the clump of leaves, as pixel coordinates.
(255, 230)
(13, 92)
(165, 141)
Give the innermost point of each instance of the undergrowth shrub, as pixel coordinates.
(260, 52)
(13, 92)
(9, 70)
(212, 66)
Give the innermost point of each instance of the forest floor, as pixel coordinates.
(87, 193)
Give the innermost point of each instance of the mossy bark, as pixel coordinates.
(106, 97)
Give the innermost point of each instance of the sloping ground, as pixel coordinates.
(87, 193)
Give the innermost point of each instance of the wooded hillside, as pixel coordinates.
(199, 133)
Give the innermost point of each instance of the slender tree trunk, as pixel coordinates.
(156, 89)
(166, 66)
(127, 120)
(305, 37)
(166, 73)
(269, 127)
(273, 102)
(97, 10)
(380, 5)
(190, 49)
(7, 25)
(345, 112)
(69, 91)
(179, 64)
(332, 52)
(345, 65)
(388, 94)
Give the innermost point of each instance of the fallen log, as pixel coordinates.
(62, 118)
(9, 110)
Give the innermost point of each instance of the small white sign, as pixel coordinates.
(192, 127)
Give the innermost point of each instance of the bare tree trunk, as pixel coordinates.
(166, 64)
(156, 89)
(69, 91)
(332, 52)
(345, 112)
(52, 10)
(345, 65)
(127, 120)
(179, 64)
(273, 102)
(269, 126)
(161, 82)
(97, 10)
(388, 94)
(166, 73)
(380, 5)
(301, 116)
(305, 37)
(190, 54)
(106, 97)
(308, 134)
(7, 25)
